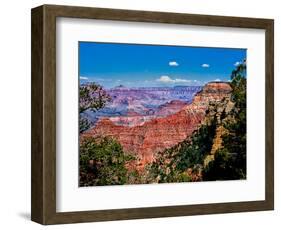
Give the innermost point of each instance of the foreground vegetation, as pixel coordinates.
(103, 162)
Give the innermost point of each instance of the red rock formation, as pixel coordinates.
(160, 133)
(134, 119)
(213, 91)
(170, 107)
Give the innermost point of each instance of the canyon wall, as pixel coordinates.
(154, 134)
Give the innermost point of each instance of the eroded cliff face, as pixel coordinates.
(213, 91)
(147, 138)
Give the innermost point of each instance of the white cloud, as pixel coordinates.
(83, 78)
(167, 79)
(217, 79)
(237, 63)
(205, 65)
(173, 63)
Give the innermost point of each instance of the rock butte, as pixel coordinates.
(147, 138)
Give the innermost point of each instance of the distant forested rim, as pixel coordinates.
(216, 150)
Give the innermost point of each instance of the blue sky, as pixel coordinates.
(133, 65)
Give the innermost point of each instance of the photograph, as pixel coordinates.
(161, 114)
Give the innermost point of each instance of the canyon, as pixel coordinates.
(146, 121)
(134, 106)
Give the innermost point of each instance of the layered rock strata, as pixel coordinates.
(149, 137)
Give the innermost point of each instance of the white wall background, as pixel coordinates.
(15, 113)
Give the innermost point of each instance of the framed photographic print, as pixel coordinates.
(141, 114)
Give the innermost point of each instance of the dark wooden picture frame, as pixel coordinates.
(43, 189)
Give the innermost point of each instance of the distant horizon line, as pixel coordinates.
(174, 86)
